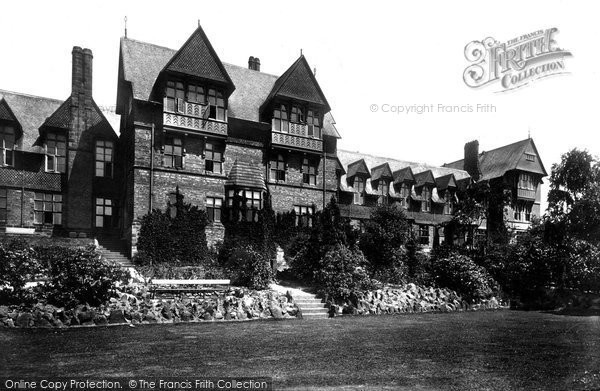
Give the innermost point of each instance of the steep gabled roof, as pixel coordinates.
(424, 178)
(495, 163)
(246, 175)
(61, 118)
(198, 58)
(381, 171)
(358, 167)
(5, 112)
(142, 63)
(404, 175)
(446, 181)
(299, 82)
(30, 112)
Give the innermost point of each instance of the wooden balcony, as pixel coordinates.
(298, 142)
(526, 194)
(194, 117)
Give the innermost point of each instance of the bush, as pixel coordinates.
(396, 270)
(78, 276)
(18, 265)
(176, 236)
(582, 267)
(249, 267)
(461, 274)
(342, 273)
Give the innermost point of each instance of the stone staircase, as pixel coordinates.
(113, 249)
(311, 306)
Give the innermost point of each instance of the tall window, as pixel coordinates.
(216, 105)
(213, 158)
(383, 188)
(314, 125)
(56, 152)
(7, 138)
(278, 169)
(174, 96)
(173, 155)
(304, 215)
(104, 213)
(426, 202)
(359, 187)
(527, 181)
(196, 94)
(297, 115)
(309, 172)
(424, 234)
(47, 208)
(281, 121)
(104, 158)
(213, 208)
(404, 193)
(3, 205)
(449, 204)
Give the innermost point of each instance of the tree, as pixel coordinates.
(574, 198)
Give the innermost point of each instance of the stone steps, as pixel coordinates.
(113, 250)
(311, 307)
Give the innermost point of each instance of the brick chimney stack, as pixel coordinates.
(254, 63)
(471, 160)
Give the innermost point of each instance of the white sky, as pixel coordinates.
(369, 52)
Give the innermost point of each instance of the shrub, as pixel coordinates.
(582, 267)
(395, 270)
(249, 267)
(176, 236)
(342, 273)
(461, 274)
(18, 265)
(78, 276)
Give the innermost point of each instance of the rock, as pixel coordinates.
(24, 320)
(42, 323)
(150, 318)
(207, 316)
(186, 316)
(85, 316)
(166, 311)
(58, 323)
(218, 315)
(276, 312)
(117, 316)
(9, 323)
(100, 320)
(3, 311)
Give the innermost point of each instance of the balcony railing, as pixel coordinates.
(193, 116)
(526, 194)
(291, 140)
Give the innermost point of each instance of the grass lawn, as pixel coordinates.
(505, 350)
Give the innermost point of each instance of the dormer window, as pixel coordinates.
(449, 204)
(280, 119)
(359, 187)
(216, 105)
(7, 140)
(404, 193)
(297, 115)
(426, 199)
(314, 124)
(174, 96)
(383, 188)
(56, 152)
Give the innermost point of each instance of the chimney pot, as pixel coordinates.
(471, 160)
(254, 63)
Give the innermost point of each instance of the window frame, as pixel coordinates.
(107, 219)
(304, 215)
(313, 122)
(53, 155)
(213, 157)
(214, 212)
(359, 195)
(51, 208)
(6, 151)
(169, 152)
(279, 121)
(309, 172)
(426, 203)
(105, 165)
(3, 206)
(278, 169)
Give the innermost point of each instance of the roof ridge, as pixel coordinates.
(243, 67)
(398, 160)
(148, 43)
(504, 146)
(32, 96)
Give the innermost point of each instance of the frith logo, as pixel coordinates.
(514, 63)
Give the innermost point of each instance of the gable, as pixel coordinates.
(6, 113)
(61, 118)
(382, 171)
(198, 58)
(445, 182)
(424, 178)
(299, 83)
(358, 168)
(404, 175)
(525, 164)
